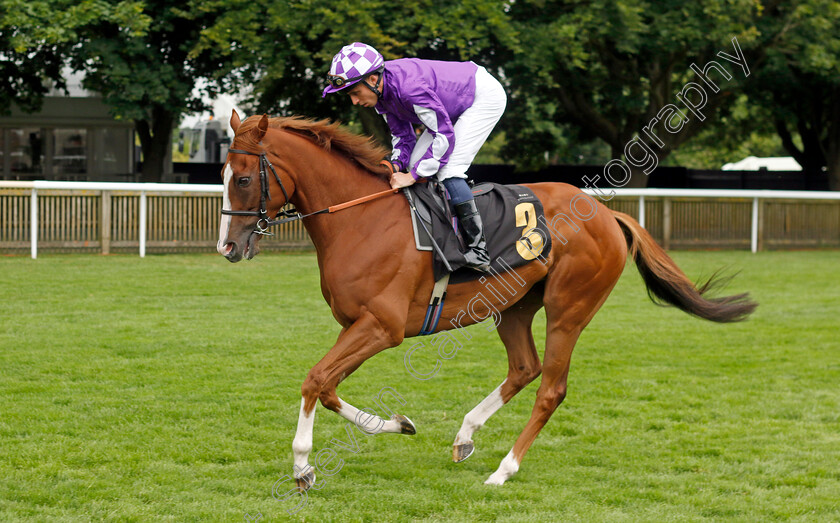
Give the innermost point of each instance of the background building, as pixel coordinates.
(72, 138)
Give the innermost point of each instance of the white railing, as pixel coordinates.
(142, 188)
(757, 196)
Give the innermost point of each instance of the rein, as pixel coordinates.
(291, 215)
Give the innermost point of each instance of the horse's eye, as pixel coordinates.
(245, 181)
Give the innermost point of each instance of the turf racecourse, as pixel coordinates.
(167, 389)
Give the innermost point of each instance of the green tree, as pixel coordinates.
(742, 129)
(151, 78)
(799, 83)
(142, 56)
(37, 35)
(609, 67)
(292, 43)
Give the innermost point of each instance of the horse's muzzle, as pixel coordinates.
(231, 252)
(234, 253)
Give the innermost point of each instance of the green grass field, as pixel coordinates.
(168, 388)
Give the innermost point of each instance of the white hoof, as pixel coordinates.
(507, 468)
(495, 479)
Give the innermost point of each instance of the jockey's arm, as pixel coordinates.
(398, 179)
(432, 113)
(403, 140)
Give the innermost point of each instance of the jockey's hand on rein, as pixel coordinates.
(398, 179)
(401, 179)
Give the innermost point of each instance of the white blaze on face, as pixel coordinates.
(224, 225)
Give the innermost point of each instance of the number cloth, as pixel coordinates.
(515, 236)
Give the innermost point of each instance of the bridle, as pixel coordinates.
(288, 215)
(265, 220)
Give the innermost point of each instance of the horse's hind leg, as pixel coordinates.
(551, 393)
(571, 301)
(523, 366)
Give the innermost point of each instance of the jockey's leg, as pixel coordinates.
(470, 223)
(474, 125)
(471, 131)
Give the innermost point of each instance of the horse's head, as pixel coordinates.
(253, 191)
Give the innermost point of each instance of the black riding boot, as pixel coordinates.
(473, 233)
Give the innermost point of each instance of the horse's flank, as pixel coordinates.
(330, 136)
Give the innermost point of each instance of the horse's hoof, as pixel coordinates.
(406, 426)
(462, 451)
(495, 479)
(304, 482)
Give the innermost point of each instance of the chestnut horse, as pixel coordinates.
(378, 284)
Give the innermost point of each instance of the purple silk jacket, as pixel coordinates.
(428, 92)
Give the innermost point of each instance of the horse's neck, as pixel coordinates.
(322, 179)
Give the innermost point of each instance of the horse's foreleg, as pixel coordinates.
(373, 424)
(370, 423)
(523, 366)
(361, 340)
(302, 446)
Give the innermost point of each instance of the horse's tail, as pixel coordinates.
(667, 283)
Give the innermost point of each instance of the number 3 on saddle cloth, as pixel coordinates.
(509, 214)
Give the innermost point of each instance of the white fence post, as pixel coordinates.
(33, 219)
(642, 210)
(105, 224)
(143, 224)
(754, 226)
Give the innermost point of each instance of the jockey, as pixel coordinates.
(459, 103)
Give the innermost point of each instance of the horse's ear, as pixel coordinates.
(234, 121)
(262, 127)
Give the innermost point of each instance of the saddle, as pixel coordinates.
(509, 214)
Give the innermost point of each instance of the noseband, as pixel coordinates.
(265, 220)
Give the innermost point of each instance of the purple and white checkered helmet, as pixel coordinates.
(351, 65)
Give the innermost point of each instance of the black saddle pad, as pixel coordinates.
(509, 213)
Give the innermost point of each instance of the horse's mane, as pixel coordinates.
(330, 136)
